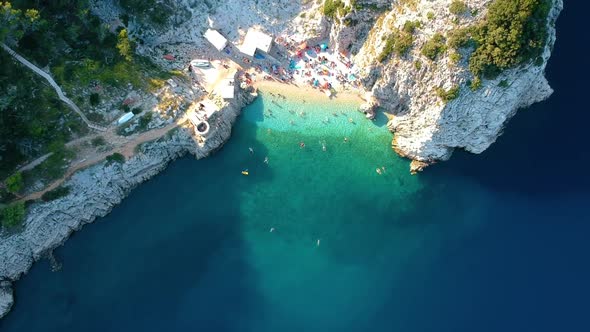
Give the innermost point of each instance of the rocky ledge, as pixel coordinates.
(427, 128)
(96, 190)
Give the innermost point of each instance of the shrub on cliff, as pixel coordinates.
(115, 157)
(435, 46)
(513, 32)
(14, 183)
(458, 7)
(448, 95)
(331, 7)
(458, 38)
(55, 194)
(13, 215)
(398, 42)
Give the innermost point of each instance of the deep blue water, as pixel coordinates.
(491, 242)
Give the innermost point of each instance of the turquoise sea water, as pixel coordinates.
(493, 242)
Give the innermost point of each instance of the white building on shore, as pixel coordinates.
(256, 40)
(216, 39)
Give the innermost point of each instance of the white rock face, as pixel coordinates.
(6, 299)
(425, 128)
(94, 192)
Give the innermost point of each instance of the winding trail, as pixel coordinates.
(56, 87)
(123, 145)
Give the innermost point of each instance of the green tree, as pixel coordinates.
(435, 46)
(125, 46)
(14, 183)
(13, 215)
(513, 32)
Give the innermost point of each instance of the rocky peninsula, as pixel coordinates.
(436, 103)
(96, 190)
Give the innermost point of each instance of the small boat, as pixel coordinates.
(200, 63)
(245, 172)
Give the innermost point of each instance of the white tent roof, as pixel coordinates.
(216, 39)
(256, 39)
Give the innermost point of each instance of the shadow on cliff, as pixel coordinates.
(543, 149)
(171, 257)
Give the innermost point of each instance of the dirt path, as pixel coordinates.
(123, 145)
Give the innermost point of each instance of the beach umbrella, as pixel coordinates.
(323, 46)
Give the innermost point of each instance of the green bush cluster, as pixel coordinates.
(115, 158)
(448, 95)
(458, 7)
(512, 33)
(435, 46)
(411, 26)
(13, 215)
(333, 7)
(398, 42)
(475, 84)
(14, 183)
(55, 193)
(459, 38)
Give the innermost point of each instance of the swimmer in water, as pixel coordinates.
(345, 139)
(272, 229)
(292, 122)
(301, 145)
(266, 160)
(318, 243)
(378, 171)
(334, 114)
(251, 150)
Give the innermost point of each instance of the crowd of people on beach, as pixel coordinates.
(300, 63)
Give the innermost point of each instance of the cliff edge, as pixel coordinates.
(416, 62)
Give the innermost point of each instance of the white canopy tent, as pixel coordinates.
(254, 40)
(216, 39)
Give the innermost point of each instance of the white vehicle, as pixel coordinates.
(126, 117)
(199, 63)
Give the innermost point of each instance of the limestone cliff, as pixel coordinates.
(95, 191)
(427, 129)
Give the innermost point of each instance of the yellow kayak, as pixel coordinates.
(245, 172)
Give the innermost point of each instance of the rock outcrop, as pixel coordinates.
(425, 128)
(96, 190)
(6, 299)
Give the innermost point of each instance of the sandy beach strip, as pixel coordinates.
(307, 93)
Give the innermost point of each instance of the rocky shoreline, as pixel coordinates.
(94, 193)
